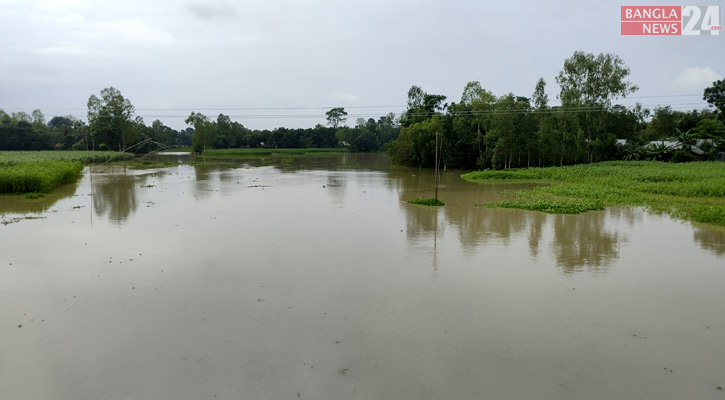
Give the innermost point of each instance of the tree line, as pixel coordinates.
(485, 131)
(480, 131)
(113, 125)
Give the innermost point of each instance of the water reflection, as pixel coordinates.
(18, 204)
(114, 196)
(582, 242)
(710, 239)
(577, 242)
(590, 242)
(202, 184)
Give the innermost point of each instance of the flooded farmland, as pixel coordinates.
(313, 277)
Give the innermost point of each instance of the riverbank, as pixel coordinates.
(37, 172)
(690, 191)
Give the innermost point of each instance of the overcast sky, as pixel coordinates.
(305, 56)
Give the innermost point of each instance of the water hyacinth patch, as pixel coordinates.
(692, 191)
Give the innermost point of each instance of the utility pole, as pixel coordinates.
(436, 169)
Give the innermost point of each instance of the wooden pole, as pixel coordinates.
(436, 169)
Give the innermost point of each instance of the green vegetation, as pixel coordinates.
(485, 131)
(502, 174)
(693, 191)
(37, 172)
(86, 157)
(481, 130)
(37, 176)
(428, 202)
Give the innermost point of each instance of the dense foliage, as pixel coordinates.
(107, 131)
(692, 191)
(488, 132)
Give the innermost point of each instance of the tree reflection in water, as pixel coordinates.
(582, 243)
(114, 197)
(577, 242)
(710, 238)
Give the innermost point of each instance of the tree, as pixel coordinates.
(588, 84)
(663, 124)
(336, 117)
(110, 119)
(416, 145)
(540, 98)
(715, 96)
(511, 131)
(421, 106)
(204, 132)
(469, 126)
(710, 129)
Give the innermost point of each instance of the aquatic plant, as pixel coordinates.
(692, 191)
(428, 202)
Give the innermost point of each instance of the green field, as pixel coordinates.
(42, 171)
(86, 157)
(691, 191)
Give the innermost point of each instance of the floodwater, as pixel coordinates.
(314, 278)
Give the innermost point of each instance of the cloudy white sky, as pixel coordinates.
(261, 61)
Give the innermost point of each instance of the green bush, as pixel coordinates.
(428, 202)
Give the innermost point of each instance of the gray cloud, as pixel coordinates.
(211, 10)
(224, 55)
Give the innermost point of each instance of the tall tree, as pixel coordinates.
(204, 132)
(336, 117)
(421, 106)
(588, 84)
(715, 96)
(541, 105)
(110, 119)
(469, 125)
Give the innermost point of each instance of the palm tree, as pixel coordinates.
(632, 150)
(686, 139)
(658, 152)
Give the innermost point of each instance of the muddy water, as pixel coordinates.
(314, 278)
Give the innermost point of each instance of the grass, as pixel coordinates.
(690, 191)
(37, 172)
(37, 176)
(428, 202)
(85, 157)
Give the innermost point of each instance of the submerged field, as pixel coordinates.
(690, 191)
(318, 279)
(42, 171)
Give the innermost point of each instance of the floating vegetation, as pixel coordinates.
(691, 191)
(428, 202)
(34, 195)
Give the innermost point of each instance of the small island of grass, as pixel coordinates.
(428, 202)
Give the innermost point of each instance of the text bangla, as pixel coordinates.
(651, 13)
